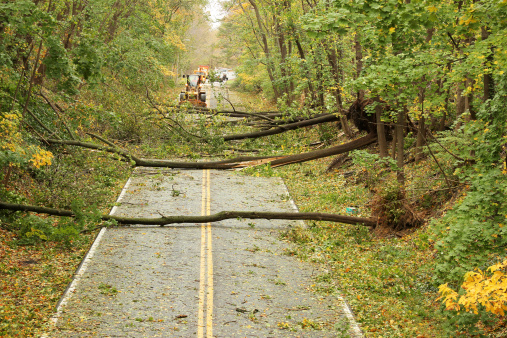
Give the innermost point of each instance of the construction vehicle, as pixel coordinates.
(202, 70)
(194, 93)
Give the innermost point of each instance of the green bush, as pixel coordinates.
(476, 228)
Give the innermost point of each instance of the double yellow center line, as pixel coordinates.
(206, 273)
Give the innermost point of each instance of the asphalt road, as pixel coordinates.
(217, 95)
(234, 278)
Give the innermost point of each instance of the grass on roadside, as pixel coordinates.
(387, 281)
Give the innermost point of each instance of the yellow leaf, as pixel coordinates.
(431, 9)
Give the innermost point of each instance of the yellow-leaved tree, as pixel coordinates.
(14, 148)
(487, 288)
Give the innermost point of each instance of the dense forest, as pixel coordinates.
(411, 96)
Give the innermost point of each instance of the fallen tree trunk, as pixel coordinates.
(237, 113)
(336, 150)
(280, 122)
(165, 220)
(141, 162)
(238, 162)
(283, 128)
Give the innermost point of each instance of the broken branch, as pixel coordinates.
(283, 128)
(165, 220)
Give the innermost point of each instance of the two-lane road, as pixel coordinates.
(227, 279)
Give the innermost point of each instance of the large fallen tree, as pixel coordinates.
(238, 162)
(283, 128)
(236, 113)
(165, 220)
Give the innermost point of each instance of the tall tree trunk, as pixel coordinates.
(280, 38)
(305, 66)
(394, 142)
(460, 103)
(265, 46)
(441, 90)
(421, 129)
(32, 79)
(359, 62)
(400, 128)
(336, 71)
(489, 85)
(469, 100)
(381, 134)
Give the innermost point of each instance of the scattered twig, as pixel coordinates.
(436, 161)
(447, 150)
(103, 140)
(167, 117)
(51, 132)
(72, 136)
(36, 133)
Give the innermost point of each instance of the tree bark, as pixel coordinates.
(283, 128)
(460, 102)
(420, 139)
(469, 100)
(488, 82)
(381, 133)
(32, 79)
(235, 113)
(165, 220)
(239, 162)
(359, 61)
(304, 65)
(336, 150)
(394, 143)
(333, 61)
(420, 130)
(400, 128)
(282, 47)
(265, 46)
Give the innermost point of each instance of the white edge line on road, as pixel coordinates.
(291, 201)
(67, 295)
(354, 327)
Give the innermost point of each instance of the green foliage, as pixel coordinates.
(373, 167)
(389, 204)
(466, 323)
(417, 50)
(88, 58)
(59, 66)
(476, 228)
(33, 229)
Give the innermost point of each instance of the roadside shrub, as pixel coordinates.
(485, 289)
(32, 229)
(374, 169)
(475, 229)
(391, 207)
(481, 298)
(473, 234)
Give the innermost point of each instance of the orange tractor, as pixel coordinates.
(194, 93)
(202, 70)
